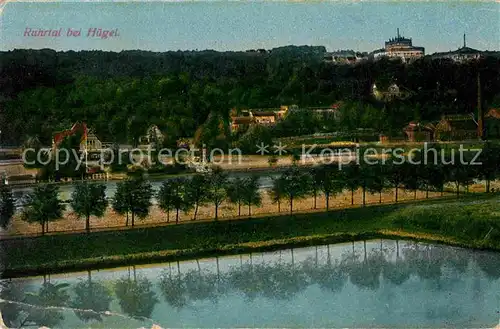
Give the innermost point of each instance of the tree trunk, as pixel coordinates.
(168, 216)
(427, 191)
(352, 197)
(126, 223)
(249, 209)
(487, 186)
(291, 205)
(47, 228)
(43, 227)
(327, 196)
(316, 257)
(133, 219)
(87, 224)
(216, 211)
(315, 197)
(239, 208)
(396, 195)
(195, 211)
(279, 206)
(364, 196)
(415, 195)
(177, 216)
(380, 197)
(458, 190)
(218, 270)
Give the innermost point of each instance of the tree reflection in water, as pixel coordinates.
(398, 271)
(365, 273)
(135, 296)
(48, 295)
(13, 314)
(440, 268)
(424, 260)
(330, 276)
(489, 263)
(286, 280)
(201, 285)
(90, 295)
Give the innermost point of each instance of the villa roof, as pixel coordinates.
(458, 123)
(271, 109)
(415, 126)
(263, 114)
(242, 120)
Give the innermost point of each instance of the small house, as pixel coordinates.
(264, 117)
(283, 111)
(418, 132)
(241, 123)
(91, 143)
(456, 128)
(19, 180)
(153, 136)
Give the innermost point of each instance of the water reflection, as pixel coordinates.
(382, 283)
(90, 295)
(135, 296)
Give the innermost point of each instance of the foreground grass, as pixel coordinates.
(469, 222)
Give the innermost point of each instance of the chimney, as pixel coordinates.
(480, 115)
(464, 41)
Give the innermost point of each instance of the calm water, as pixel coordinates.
(373, 284)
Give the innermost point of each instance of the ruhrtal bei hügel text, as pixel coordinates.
(91, 32)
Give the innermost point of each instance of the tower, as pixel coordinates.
(464, 41)
(398, 32)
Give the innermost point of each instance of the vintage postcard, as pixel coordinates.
(249, 164)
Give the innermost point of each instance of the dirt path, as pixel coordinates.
(70, 223)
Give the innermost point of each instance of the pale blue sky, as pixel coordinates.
(241, 25)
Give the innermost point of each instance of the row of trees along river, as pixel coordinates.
(133, 197)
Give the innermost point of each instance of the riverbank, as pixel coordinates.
(250, 164)
(472, 222)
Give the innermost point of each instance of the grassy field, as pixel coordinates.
(471, 222)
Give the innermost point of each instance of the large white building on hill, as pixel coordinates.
(400, 47)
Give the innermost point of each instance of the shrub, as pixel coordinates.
(168, 169)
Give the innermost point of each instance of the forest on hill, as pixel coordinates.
(120, 94)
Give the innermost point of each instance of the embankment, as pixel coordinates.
(469, 222)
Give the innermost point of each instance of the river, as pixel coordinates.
(364, 284)
(65, 190)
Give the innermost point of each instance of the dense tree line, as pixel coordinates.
(133, 198)
(120, 94)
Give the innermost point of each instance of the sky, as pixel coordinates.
(242, 25)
